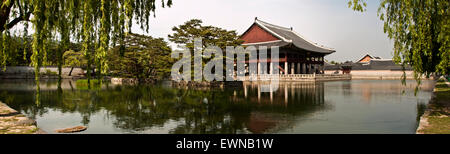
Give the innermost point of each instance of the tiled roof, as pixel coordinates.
(288, 36)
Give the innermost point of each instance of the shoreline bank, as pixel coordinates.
(13, 122)
(436, 118)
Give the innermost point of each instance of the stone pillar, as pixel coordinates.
(286, 71)
(259, 68)
(271, 68)
(292, 68)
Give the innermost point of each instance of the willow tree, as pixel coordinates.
(95, 23)
(420, 31)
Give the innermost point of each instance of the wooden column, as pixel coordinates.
(303, 68)
(309, 68)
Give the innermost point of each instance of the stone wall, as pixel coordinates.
(376, 74)
(27, 72)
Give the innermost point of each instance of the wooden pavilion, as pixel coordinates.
(297, 54)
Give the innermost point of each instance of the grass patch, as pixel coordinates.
(437, 125)
(439, 120)
(3, 131)
(442, 92)
(30, 131)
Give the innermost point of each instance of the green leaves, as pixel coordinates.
(144, 57)
(420, 31)
(185, 34)
(357, 5)
(75, 20)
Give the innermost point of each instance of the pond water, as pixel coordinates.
(356, 106)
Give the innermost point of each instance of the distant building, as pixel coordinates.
(366, 63)
(366, 59)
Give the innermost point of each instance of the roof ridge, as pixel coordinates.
(264, 26)
(292, 30)
(291, 39)
(273, 25)
(311, 42)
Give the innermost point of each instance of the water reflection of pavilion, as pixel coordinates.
(279, 109)
(309, 92)
(143, 108)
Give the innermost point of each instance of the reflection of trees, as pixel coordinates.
(137, 108)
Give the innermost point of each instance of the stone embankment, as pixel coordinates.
(12, 122)
(26, 72)
(436, 118)
(206, 84)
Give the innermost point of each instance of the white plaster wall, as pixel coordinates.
(376, 74)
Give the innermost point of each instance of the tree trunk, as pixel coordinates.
(4, 15)
(70, 73)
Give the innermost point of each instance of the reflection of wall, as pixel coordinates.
(379, 89)
(366, 92)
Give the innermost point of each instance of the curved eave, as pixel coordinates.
(288, 35)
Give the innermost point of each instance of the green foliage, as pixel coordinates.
(357, 5)
(210, 35)
(420, 31)
(185, 34)
(74, 59)
(142, 57)
(18, 51)
(21, 51)
(87, 20)
(84, 84)
(334, 63)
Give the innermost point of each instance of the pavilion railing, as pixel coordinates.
(294, 77)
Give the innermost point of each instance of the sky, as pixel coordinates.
(327, 22)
